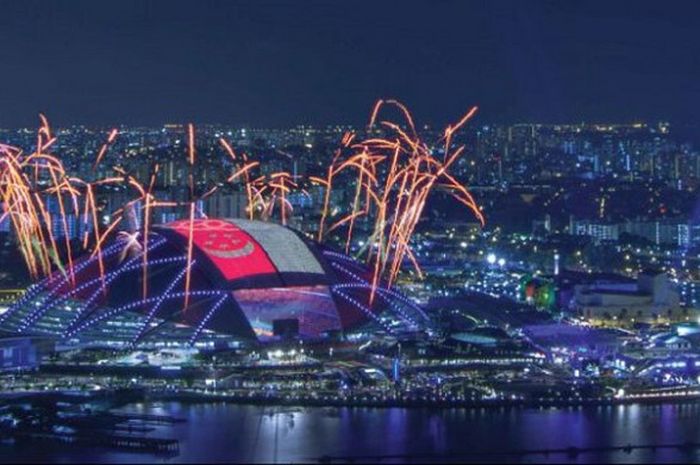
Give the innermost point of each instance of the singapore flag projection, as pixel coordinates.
(234, 252)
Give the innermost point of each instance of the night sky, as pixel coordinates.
(282, 63)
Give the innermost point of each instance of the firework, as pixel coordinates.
(393, 173)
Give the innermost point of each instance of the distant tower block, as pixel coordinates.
(133, 217)
(396, 370)
(556, 263)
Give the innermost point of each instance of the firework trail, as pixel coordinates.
(393, 172)
(394, 175)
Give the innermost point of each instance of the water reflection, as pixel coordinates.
(230, 433)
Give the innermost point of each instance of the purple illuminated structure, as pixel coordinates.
(245, 276)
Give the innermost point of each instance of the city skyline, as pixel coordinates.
(476, 124)
(313, 231)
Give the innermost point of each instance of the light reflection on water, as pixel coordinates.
(230, 433)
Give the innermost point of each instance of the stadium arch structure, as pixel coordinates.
(246, 278)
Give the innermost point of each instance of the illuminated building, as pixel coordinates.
(679, 232)
(565, 343)
(596, 229)
(246, 278)
(17, 353)
(651, 299)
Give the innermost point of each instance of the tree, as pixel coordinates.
(624, 314)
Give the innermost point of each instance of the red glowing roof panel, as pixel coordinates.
(234, 252)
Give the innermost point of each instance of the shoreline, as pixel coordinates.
(121, 397)
(408, 404)
(184, 407)
(297, 402)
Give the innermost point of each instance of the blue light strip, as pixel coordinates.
(109, 278)
(131, 265)
(42, 285)
(109, 251)
(35, 315)
(362, 307)
(206, 319)
(383, 295)
(348, 272)
(333, 256)
(113, 276)
(391, 292)
(161, 299)
(406, 301)
(140, 303)
(343, 257)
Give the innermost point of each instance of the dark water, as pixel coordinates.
(230, 433)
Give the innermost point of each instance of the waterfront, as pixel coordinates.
(233, 433)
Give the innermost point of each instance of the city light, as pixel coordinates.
(232, 241)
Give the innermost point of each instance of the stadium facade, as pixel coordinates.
(247, 280)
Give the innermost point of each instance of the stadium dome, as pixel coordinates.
(249, 282)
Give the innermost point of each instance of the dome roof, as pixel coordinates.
(247, 280)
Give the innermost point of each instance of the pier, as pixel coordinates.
(116, 441)
(46, 420)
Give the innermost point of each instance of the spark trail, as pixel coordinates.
(392, 171)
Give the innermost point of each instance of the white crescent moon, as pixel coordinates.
(244, 251)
